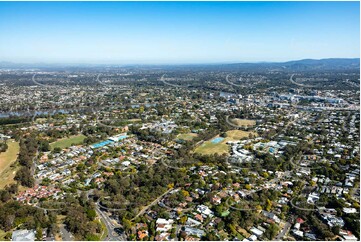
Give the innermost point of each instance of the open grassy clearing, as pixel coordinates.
(67, 142)
(41, 120)
(134, 120)
(208, 147)
(104, 233)
(241, 122)
(187, 136)
(2, 235)
(235, 135)
(10, 155)
(7, 158)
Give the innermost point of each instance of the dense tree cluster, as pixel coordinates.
(141, 188)
(3, 147)
(28, 150)
(80, 218)
(13, 214)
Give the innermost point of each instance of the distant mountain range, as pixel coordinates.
(303, 65)
(297, 65)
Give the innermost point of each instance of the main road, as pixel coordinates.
(112, 235)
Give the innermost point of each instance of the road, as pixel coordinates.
(233, 84)
(112, 235)
(283, 232)
(291, 121)
(152, 203)
(299, 84)
(65, 234)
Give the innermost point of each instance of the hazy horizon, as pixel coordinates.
(165, 64)
(154, 33)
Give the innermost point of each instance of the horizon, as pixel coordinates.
(177, 33)
(175, 64)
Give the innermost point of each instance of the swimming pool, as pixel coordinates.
(122, 137)
(217, 140)
(106, 142)
(101, 144)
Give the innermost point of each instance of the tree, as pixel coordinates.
(232, 229)
(173, 233)
(39, 234)
(183, 219)
(265, 174)
(336, 230)
(24, 176)
(220, 225)
(44, 145)
(13, 188)
(271, 231)
(127, 224)
(269, 205)
(91, 214)
(4, 196)
(322, 228)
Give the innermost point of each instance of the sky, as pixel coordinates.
(177, 32)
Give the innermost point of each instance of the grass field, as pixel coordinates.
(7, 173)
(41, 120)
(208, 148)
(133, 120)
(10, 155)
(187, 136)
(67, 142)
(241, 122)
(2, 235)
(105, 232)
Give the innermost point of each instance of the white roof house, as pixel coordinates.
(23, 235)
(164, 225)
(256, 232)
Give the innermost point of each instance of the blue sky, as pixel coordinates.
(177, 32)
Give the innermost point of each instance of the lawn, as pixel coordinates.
(241, 122)
(208, 148)
(235, 135)
(187, 136)
(67, 142)
(3, 234)
(105, 232)
(7, 172)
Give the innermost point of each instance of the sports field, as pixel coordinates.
(7, 173)
(67, 142)
(213, 147)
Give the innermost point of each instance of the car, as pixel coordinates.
(119, 231)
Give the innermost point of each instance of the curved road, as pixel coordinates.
(112, 235)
